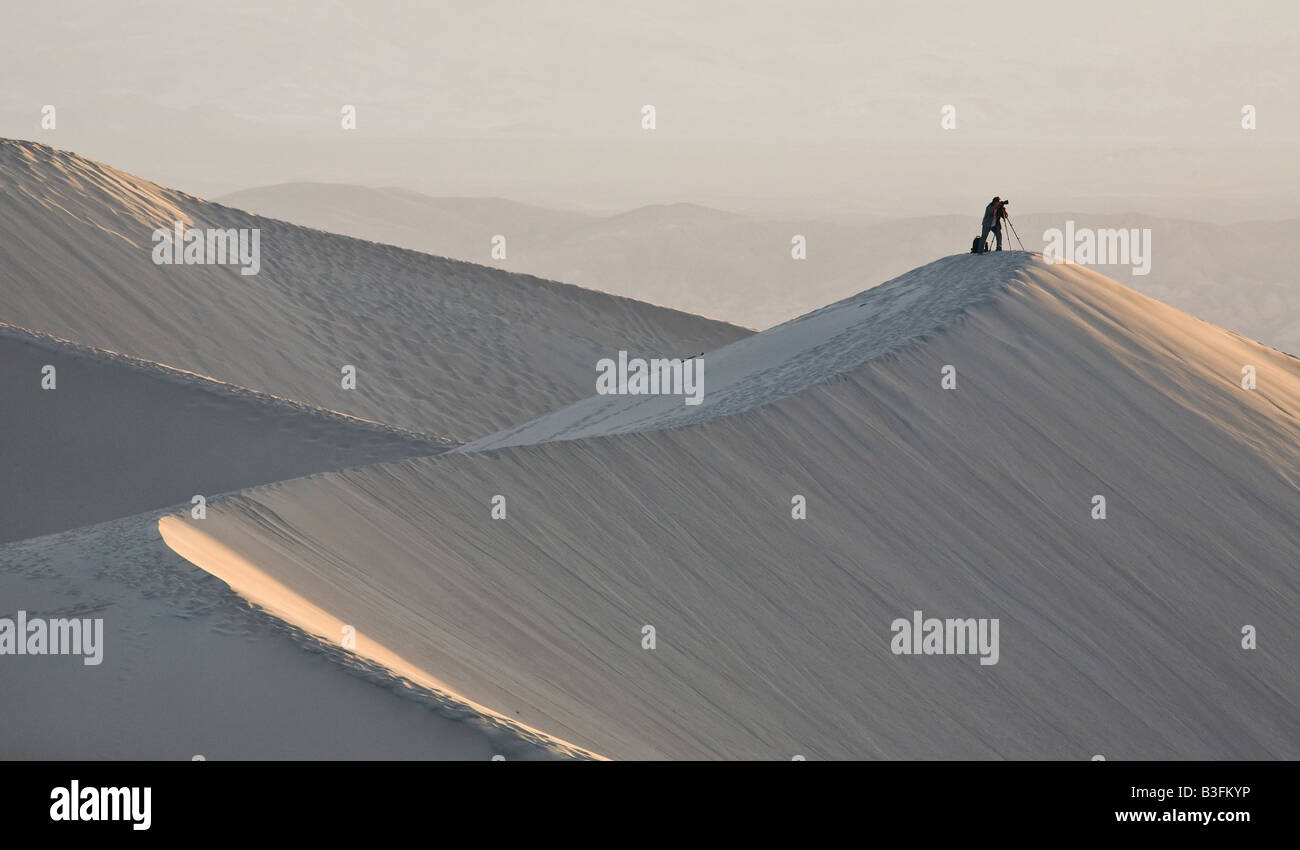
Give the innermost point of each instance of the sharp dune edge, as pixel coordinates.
(258, 587)
(523, 636)
(190, 668)
(774, 633)
(203, 436)
(183, 653)
(447, 347)
(441, 346)
(1239, 277)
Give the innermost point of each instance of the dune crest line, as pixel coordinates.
(259, 588)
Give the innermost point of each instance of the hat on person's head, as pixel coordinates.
(996, 199)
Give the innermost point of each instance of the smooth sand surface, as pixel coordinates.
(189, 669)
(440, 347)
(176, 381)
(1119, 636)
(115, 436)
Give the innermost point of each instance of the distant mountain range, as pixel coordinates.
(739, 268)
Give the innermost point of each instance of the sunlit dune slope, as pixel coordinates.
(1119, 636)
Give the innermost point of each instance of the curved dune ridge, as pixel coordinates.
(1119, 636)
(442, 349)
(189, 667)
(440, 346)
(783, 360)
(258, 587)
(91, 435)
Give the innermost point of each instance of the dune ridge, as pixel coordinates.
(440, 346)
(774, 632)
(172, 382)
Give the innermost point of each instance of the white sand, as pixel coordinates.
(189, 669)
(117, 436)
(1118, 636)
(441, 347)
(444, 347)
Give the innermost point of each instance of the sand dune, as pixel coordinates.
(792, 356)
(115, 436)
(1119, 636)
(440, 347)
(198, 380)
(189, 669)
(738, 268)
(524, 635)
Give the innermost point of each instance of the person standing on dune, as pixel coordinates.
(993, 215)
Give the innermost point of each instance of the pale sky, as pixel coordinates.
(830, 102)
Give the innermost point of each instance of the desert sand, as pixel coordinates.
(667, 581)
(1120, 636)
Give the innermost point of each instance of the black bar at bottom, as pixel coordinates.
(304, 799)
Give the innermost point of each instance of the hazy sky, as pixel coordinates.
(833, 103)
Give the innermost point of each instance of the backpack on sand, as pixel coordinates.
(976, 247)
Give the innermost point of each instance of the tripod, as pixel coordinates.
(1017, 235)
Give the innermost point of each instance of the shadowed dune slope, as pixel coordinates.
(103, 436)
